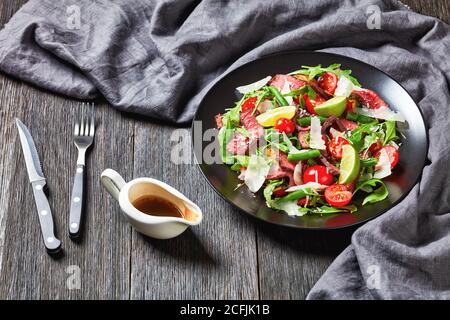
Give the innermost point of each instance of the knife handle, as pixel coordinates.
(76, 202)
(45, 217)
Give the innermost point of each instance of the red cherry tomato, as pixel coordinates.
(375, 147)
(312, 103)
(249, 103)
(392, 153)
(335, 146)
(351, 105)
(338, 195)
(279, 192)
(302, 202)
(285, 125)
(319, 174)
(348, 125)
(328, 82)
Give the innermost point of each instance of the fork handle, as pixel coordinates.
(76, 202)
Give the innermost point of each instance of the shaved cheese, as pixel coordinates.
(298, 173)
(256, 172)
(315, 135)
(381, 113)
(344, 87)
(383, 167)
(286, 89)
(310, 185)
(336, 133)
(254, 86)
(290, 207)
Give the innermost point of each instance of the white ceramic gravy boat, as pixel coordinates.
(160, 227)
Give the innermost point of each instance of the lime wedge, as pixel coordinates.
(270, 117)
(333, 107)
(349, 165)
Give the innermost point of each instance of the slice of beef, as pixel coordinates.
(238, 144)
(348, 125)
(281, 173)
(285, 163)
(368, 98)
(279, 80)
(218, 119)
(328, 123)
(248, 120)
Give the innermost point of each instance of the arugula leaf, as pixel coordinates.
(268, 190)
(326, 209)
(356, 136)
(240, 161)
(391, 132)
(224, 135)
(276, 140)
(377, 195)
(371, 139)
(314, 71)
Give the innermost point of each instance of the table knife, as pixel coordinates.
(38, 181)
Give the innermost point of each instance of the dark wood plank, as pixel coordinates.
(435, 8)
(103, 254)
(215, 260)
(220, 258)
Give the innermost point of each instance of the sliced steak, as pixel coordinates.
(368, 98)
(279, 80)
(238, 144)
(248, 120)
(218, 119)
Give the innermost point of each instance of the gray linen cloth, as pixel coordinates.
(158, 58)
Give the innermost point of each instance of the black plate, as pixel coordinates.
(223, 94)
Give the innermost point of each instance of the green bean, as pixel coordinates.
(303, 155)
(306, 121)
(277, 94)
(352, 116)
(368, 162)
(294, 195)
(359, 118)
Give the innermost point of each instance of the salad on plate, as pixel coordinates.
(311, 140)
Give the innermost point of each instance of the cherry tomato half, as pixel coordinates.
(351, 105)
(335, 146)
(319, 174)
(312, 103)
(303, 202)
(338, 195)
(392, 153)
(328, 82)
(285, 125)
(249, 103)
(279, 192)
(375, 147)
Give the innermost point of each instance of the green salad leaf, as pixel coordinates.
(326, 209)
(390, 132)
(312, 72)
(376, 195)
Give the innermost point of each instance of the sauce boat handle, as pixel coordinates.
(113, 182)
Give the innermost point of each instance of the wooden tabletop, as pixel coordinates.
(228, 256)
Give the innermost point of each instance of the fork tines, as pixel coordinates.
(86, 126)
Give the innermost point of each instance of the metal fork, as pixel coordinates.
(83, 138)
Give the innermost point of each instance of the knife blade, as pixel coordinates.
(38, 182)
